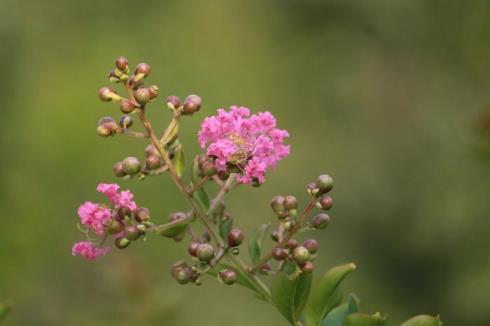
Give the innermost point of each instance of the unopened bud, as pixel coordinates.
(121, 63)
(113, 76)
(154, 91)
(277, 205)
(114, 226)
(321, 221)
(325, 203)
(177, 266)
(125, 121)
(151, 150)
(192, 248)
(192, 104)
(123, 211)
(307, 267)
(176, 216)
(107, 94)
(183, 275)
(135, 83)
(142, 95)
(106, 126)
(122, 243)
(313, 189)
(118, 170)
(131, 232)
(126, 106)
(141, 214)
(290, 203)
(235, 238)
(279, 253)
(301, 254)
(173, 102)
(205, 252)
(324, 183)
(311, 245)
(153, 162)
(227, 276)
(275, 236)
(292, 244)
(223, 175)
(209, 168)
(265, 268)
(143, 69)
(131, 165)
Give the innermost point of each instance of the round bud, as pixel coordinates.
(131, 165)
(235, 238)
(123, 211)
(321, 221)
(277, 205)
(223, 175)
(143, 69)
(173, 102)
(176, 216)
(118, 170)
(192, 104)
(178, 265)
(227, 276)
(122, 243)
(115, 226)
(290, 203)
(205, 252)
(154, 90)
(324, 183)
(121, 63)
(151, 150)
(209, 168)
(235, 251)
(313, 189)
(275, 236)
(106, 126)
(311, 245)
(125, 121)
(153, 162)
(265, 268)
(192, 248)
(141, 214)
(301, 254)
(126, 106)
(307, 267)
(142, 95)
(113, 76)
(325, 203)
(279, 253)
(132, 233)
(292, 244)
(183, 275)
(106, 94)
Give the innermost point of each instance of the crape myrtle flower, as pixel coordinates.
(88, 250)
(249, 143)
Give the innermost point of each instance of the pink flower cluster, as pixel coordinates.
(250, 142)
(96, 216)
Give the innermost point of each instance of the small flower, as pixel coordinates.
(119, 199)
(87, 250)
(249, 143)
(94, 216)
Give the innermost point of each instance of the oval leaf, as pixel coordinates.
(324, 295)
(290, 295)
(174, 228)
(255, 243)
(423, 320)
(171, 132)
(202, 198)
(195, 170)
(358, 319)
(179, 160)
(225, 228)
(337, 315)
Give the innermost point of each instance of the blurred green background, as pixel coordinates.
(383, 95)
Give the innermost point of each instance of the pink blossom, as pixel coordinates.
(122, 199)
(94, 216)
(109, 189)
(251, 142)
(87, 250)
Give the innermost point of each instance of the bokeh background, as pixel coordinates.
(390, 97)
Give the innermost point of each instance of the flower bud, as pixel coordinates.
(183, 275)
(301, 254)
(313, 189)
(307, 267)
(223, 175)
(151, 150)
(178, 265)
(288, 225)
(113, 76)
(311, 245)
(126, 106)
(122, 243)
(192, 104)
(153, 162)
(209, 168)
(135, 83)
(235, 238)
(118, 170)
(275, 236)
(192, 248)
(131, 232)
(277, 205)
(279, 253)
(121, 63)
(131, 165)
(321, 221)
(123, 211)
(227, 276)
(324, 183)
(142, 95)
(154, 91)
(115, 226)
(176, 216)
(292, 244)
(290, 203)
(205, 252)
(141, 214)
(125, 121)
(265, 268)
(106, 127)
(143, 69)
(173, 102)
(325, 203)
(107, 94)
(235, 251)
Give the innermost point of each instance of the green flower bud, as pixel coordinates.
(126, 106)
(173, 102)
(154, 91)
(325, 203)
(141, 214)
(227, 276)
(106, 127)
(205, 252)
(311, 245)
(183, 275)
(307, 267)
(115, 226)
(151, 150)
(192, 248)
(192, 104)
(153, 162)
(178, 265)
(292, 244)
(122, 243)
(235, 251)
(235, 238)
(290, 203)
(122, 63)
(118, 170)
(131, 165)
(113, 76)
(279, 253)
(125, 121)
(107, 94)
(277, 205)
(324, 183)
(301, 254)
(143, 69)
(321, 221)
(142, 95)
(313, 189)
(132, 233)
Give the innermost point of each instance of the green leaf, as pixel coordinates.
(241, 278)
(423, 320)
(171, 132)
(359, 319)
(174, 228)
(195, 170)
(255, 243)
(179, 160)
(202, 198)
(5, 309)
(337, 315)
(225, 227)
(324, 295)
(290, 295)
